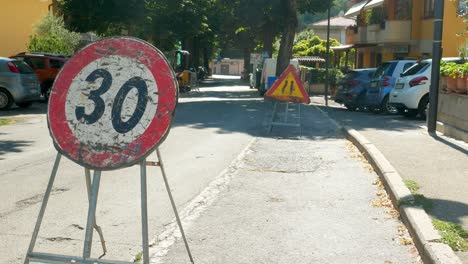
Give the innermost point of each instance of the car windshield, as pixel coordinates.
(415, 69)
(22, 67)
(384, 69)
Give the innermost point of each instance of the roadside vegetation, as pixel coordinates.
(452, 234)
(4, 122)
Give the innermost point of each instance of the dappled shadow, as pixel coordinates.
(39, 107)
(9, 146)
(445, 210)
(232, 110)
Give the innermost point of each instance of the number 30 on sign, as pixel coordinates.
(112, 103)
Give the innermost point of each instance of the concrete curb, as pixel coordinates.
(419, 223)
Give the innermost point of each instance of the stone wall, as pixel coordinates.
(452, 115)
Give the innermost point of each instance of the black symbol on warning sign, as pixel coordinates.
(291, 87)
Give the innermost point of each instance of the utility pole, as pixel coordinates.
(435, 74)
(327, 60)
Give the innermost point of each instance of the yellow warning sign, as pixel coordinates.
(288, 88)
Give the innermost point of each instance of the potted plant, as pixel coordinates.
(443, 76)
(451, 70)
(459, 75)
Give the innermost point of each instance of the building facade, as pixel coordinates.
(398, 29)
(338, 27)
(18, 20)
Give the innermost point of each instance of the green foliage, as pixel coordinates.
(453, 69)
(375, 15)
(412, 186)
(318, 75)
(452, 234)
(52, 36)
(314, 46)
(304, 35)
(4, 122)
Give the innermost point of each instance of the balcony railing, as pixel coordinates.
(393, 31)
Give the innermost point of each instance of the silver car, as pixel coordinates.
(18, 84)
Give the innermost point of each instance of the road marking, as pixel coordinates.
(159, 246)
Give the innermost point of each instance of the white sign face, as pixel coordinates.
(111, 102)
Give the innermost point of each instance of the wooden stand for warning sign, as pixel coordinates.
(88, 128)
(93, 191)
(288, 89)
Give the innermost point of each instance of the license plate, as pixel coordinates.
(399, 86)
(373, 84)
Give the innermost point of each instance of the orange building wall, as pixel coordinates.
(423, 29)
(18, 20)
(453, 26)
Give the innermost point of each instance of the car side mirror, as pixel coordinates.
(401, 74)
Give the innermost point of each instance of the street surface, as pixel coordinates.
(244, 196)
(438, 164)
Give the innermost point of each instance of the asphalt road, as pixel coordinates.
(211, 128)
(245, 196)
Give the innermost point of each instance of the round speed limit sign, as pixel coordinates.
(112, 103)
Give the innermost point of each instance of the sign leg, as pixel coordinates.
(95, 225)
(163, 172)
(300, 124)
(43, 207)
(272, 117)
(91, 215)
(286, 110)
(144, 212)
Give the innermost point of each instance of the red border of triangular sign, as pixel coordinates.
(276, 85)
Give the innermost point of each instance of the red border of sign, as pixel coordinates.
(276, 84)
(64, 140)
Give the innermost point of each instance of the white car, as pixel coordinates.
(411, 92)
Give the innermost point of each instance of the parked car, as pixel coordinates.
(45, 65)
(18, 84)
(411, 93)
(352, 88)
(383, 81)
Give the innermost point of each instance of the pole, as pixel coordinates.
(327, 60)
(437, 52)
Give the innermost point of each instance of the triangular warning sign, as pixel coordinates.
(288, 88)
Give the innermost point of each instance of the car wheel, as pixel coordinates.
(24, 104)
(5, 100)
(423, 107)
(410, 113)
(386, 108)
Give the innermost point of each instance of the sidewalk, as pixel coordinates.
(313, 200)
(439, 165)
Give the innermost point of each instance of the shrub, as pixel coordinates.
(52, 36)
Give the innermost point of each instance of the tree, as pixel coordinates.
(291, 8)
(52, 36)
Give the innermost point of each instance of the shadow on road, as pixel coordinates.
(8, 146)
(39, 107)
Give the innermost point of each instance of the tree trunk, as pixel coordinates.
(268, 39)
(287, 38)
(246, 70)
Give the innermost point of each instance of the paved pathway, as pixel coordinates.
(438, 164)
(295, 201)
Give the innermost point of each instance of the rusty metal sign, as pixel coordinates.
(288, 88)
(112, 103)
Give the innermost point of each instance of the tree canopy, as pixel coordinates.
(200, 26)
